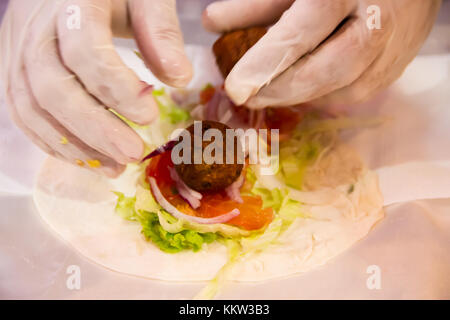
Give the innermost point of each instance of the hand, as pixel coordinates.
(61, 77)
(321, 50)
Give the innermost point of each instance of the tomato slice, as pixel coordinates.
(207, 93)
(252, 216)
(285, 119)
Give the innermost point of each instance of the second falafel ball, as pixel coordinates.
(205, 177)
(232, 46)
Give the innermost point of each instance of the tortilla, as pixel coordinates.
(79, 206)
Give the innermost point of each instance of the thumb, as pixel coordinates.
(157, 32)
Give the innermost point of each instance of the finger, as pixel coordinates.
(21, 125)
(391, 63)
(159, 38)
(222, 16)
(88, 51)
(45, 128)
(6, 47)
(58, 92)
(376, 78)
(300, 30)
(38, 124)
(335, 64)
(121, 23)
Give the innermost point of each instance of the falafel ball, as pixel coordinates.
(212, 177)
(232, 46)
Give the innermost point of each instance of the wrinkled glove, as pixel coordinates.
(333, 52)
(61, 74)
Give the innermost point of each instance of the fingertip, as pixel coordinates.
(135, 152)
(112, 171)
(129, 147)
(178, 71)
(139, 107)
(173, 68)
(236, 90)
(160, 41)
(255, 103)
(147, 110)
(209, 18)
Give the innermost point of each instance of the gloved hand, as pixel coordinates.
(61, 73)
(321, 50)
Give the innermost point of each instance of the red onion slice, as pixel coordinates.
(198, 112)
(179, 215)
(226, 117)
(184, 98)
(165, 147)
(220, 108)
(212, 106)
(260, 118)
(252, 116)
(233, 191)
(191, 196)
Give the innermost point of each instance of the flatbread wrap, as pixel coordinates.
(207, 222)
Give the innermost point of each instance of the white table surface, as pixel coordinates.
(34, 261)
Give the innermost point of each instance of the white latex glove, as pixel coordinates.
(60, 80)
(321, 50)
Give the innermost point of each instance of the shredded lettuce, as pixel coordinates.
(314, 125)
(173, 242)
(209, 85)
(131, 208)
(146, 202)
(257, 242)
(170, 223)
(312, 138)
(212, 288)
(250, 175)
(125, 206)
(295, 160)
(168, 109)
(127, 121)
(287, 211)
(139, 55)
(170, 234)
(271, 198)
(174, 235)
